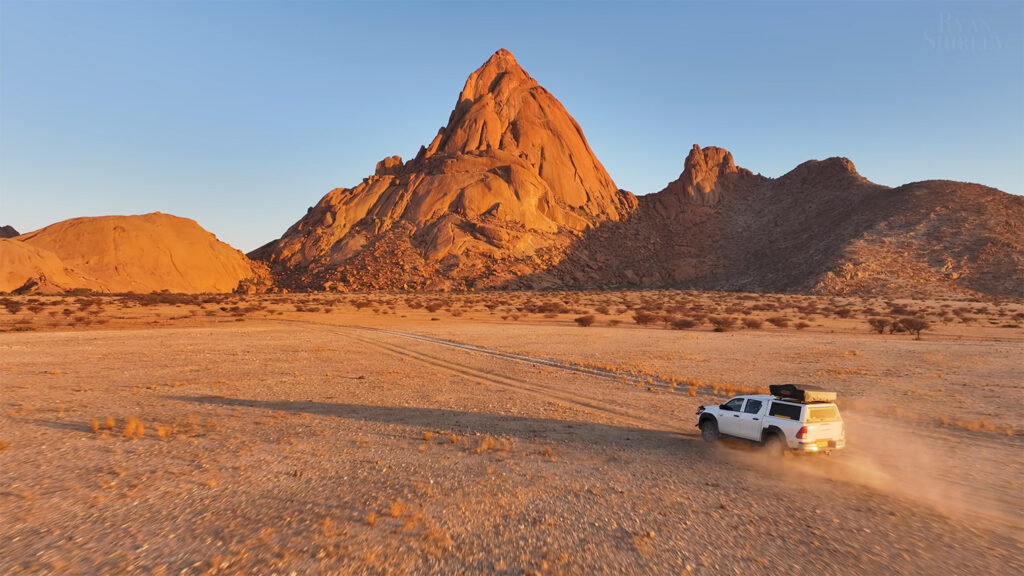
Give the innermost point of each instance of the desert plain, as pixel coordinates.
(501, 433)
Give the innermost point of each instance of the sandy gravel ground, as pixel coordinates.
(355, 443)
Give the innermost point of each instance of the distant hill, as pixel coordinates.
(8, 232)
(146, 253)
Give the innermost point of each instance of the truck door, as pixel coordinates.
(729, 421)
(752, 419)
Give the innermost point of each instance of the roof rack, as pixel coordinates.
(802, 393)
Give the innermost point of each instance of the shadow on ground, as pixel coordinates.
(466, 422)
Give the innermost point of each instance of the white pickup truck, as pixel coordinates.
(779, 424)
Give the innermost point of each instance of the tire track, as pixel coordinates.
(552, 393)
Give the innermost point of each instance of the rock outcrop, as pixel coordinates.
(144, 253)
(502, 190)
(8, 232)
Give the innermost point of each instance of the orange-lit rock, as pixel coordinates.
(511, 178)
(144, 253)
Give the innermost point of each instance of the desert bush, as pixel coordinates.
(644, 318)
(753, 323)
(778, 321)
(585, 321)
(722, 323)
(915, 325)
(13, 306)
(602, 309)
(879, 324)
(684, 323)
(434, 306)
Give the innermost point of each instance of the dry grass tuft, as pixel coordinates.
(371, 518)
(110, 423)
(134, 428)
(491, 444)
(396, 509)
(428, 436)
(95, 425)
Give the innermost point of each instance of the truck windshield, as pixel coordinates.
(822, 414)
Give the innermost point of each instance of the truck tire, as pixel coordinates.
(709, 430)
(774, 445)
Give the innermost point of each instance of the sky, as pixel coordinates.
(240, 115)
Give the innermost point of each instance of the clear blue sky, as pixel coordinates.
(241, 114)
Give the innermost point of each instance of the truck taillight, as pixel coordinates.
(801, 433)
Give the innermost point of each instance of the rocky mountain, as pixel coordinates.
(820, 228)
(8, 232)
(510, 195)
(144, 253)
(503, 190)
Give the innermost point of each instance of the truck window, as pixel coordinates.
(822, 414)
(753, 406)
(733, 405)
(785, 410)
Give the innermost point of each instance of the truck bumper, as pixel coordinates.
(821, 446)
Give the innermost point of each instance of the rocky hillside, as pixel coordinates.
(820, 228)
(144, 253)
(510, 195)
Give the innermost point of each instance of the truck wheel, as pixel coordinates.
(774, 445)
(709, 430)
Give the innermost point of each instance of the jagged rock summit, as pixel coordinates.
(500, 191)
(707, 172)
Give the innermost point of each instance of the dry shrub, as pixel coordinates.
(753, 323)
(95, 425)
(778, 321)
(134, 428)
(585, 321)
(427, 436)
(110, 423)
(396, 509)
(644, 318)
(164, 432)
(722, 323)
(802, 325)
(371, 518)
(878, 324)
(490, 443)
(684, 323)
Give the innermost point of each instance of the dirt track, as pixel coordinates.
(293, 446)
